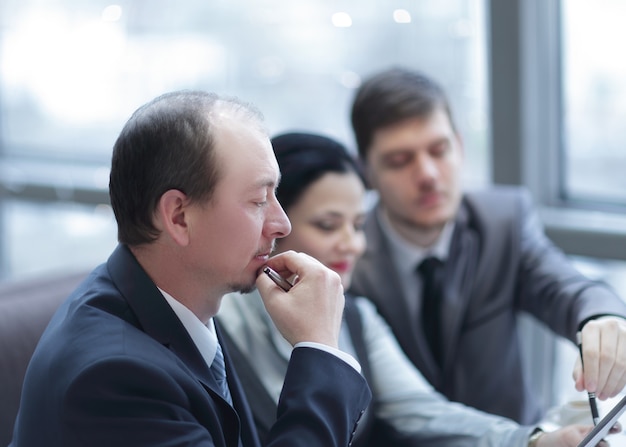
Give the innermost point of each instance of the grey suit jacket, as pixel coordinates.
(500, 263)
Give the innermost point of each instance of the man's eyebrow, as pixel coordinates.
(268, 183)
(442, 139)
(404, 149)
(396, 151)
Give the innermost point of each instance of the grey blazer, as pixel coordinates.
(500, 263)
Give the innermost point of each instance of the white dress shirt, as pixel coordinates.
(203, 335)
(205, 338)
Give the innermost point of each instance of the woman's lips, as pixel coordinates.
(341, 267)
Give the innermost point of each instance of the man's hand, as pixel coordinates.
(571, 436)
(604, 357)
(312, 310)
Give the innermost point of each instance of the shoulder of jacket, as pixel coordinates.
(496, 211)
(500, 192)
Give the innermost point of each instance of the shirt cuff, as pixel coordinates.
(336, 352)
(595, 317)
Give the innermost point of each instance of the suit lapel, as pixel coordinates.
(249, 435)
(157, 319)
(155, 316)
(461, 268)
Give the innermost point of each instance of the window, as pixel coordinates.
(542, 137)
(594, 86)
(545, 134)
(71, 72)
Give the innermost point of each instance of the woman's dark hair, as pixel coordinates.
(305, 157)
(392, 96)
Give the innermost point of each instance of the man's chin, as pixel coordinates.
(436, 219)
(247, 289)
(243, 288)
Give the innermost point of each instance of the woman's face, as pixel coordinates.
(327, 223)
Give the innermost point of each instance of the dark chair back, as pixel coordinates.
(26, 307)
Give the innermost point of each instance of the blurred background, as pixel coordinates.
(538, 88)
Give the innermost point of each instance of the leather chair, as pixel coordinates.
(26, 307)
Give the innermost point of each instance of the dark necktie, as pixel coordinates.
(431, 271)
(219, 372)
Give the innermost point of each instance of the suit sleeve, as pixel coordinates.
(550, 287)
(321, 403)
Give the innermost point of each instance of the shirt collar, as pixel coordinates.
(203, 336)
(406, 255)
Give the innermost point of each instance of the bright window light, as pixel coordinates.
(112, 13)
(342, 20)
(402, 16)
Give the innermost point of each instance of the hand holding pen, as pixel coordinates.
(309, 309)
(592, 396)
(279, 280)
(604, 346)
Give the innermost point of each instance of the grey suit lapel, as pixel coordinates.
(461, 269)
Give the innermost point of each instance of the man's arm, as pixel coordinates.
(554, 291)
(323, 395)
(322, 400)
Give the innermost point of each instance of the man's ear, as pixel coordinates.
(171, 216)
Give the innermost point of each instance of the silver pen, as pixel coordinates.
(279, 280)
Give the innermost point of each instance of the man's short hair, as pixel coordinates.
(167, 143)
(392, 96)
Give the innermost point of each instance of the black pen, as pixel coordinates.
(592, 396)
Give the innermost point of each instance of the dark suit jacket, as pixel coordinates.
(500, 263)
(116, 367)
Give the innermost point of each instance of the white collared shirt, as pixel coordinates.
(205, 338)
(406, 256)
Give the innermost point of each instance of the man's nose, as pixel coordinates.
(425, 168)
(280, 226)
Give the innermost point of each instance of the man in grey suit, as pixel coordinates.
(489, 253)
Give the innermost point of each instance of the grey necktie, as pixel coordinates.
(219, 372)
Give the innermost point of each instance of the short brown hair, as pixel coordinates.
(166, 144)
(391, 96)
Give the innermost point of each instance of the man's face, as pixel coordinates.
(232, 235)
(415, 166)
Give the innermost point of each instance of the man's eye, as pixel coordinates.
(397, 161)
(440, 149)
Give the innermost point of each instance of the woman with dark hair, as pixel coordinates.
(323, 193)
